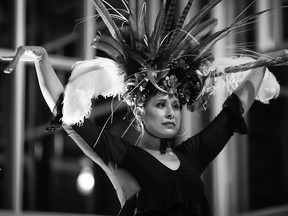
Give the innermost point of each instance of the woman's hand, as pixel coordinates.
(24, 53)
(50, 85)
(249, 87)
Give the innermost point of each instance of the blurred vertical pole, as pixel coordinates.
(152, 8)
(221, 167)
(18, 112)
(220, 164)
(89, 30)
(277, 23)
(89, 53)
(264, 35)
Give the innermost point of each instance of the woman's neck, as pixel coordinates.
(154, 143)
(149, 142)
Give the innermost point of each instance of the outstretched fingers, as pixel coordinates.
(23, 53)
(14, 60)
(6, 58)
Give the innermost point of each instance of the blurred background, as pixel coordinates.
(46, 174)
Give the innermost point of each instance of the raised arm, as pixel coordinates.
(49, 83)
(249, 88)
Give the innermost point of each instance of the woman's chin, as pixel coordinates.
(169, 134)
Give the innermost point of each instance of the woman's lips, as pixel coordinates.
(169, 123)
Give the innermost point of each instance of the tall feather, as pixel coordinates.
(107, 19)
(194, 21)
(137, 20)
(205, 46)
(262, 62)
(168, 22)
(182, 19)
(89, 79)
(158, 28)
(109, 45)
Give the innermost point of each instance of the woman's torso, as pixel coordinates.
(173, 186)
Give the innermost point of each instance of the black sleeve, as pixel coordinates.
(109, 148)
(207, 144)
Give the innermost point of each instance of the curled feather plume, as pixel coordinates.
(90, 79)
(226, 83)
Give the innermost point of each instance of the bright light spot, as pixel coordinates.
(85, 181)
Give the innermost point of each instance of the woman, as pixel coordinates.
(153, 177)
(166, 183)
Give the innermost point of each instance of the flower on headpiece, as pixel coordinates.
(170, 84)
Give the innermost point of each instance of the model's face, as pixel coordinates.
(162, 116)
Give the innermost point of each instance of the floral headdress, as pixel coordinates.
(170, 59)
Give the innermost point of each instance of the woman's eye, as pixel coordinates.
(176, 106)
(160, 105)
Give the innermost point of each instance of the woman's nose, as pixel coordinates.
(169, 113)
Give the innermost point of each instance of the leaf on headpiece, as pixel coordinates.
(133, 62)
(107, 19)
(152, 74)
(194, 37)
(137, 20)
(204, 28)
(214, 38)
(182, 19)
(109, 45)
(193, 22)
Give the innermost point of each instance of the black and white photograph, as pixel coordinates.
(143, 108)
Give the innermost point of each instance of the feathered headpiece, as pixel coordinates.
(170, 59)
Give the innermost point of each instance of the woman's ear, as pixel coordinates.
(139, 112)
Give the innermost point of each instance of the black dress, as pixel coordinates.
(164, 191)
